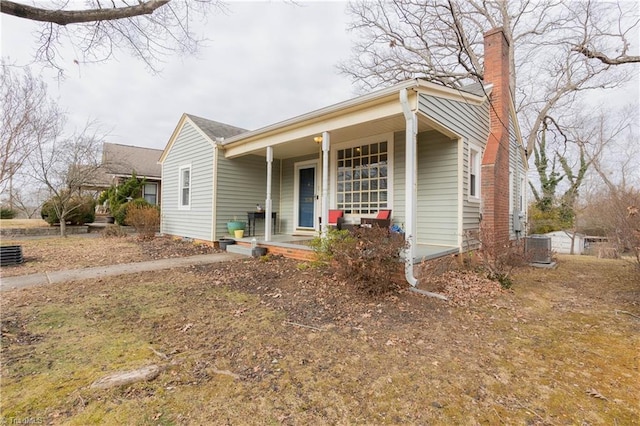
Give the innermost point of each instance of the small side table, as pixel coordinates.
(251, 221)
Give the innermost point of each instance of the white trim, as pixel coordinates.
(335, 147)
(182, 206)
(296, 193)
(461, 146)
(478, 169)
(214, 194)
(522, 201)
(176, 132)
(162, 218)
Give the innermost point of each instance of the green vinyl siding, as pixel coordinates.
(399, 170)
(471, 122)
(242, 183)
(437, 206)
(189, 148)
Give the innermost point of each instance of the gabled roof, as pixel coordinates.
(358, 102)
(211, 130)
(214, 129)
(338, 114)
(123, 160)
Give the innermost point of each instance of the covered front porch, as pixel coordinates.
(299, 247)
(385, 151)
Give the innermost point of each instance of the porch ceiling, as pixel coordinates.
(306, 145)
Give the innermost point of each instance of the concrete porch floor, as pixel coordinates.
(423, 252)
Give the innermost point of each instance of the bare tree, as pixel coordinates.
(150, 29)
(442, 42)
(610, 141)
(27, 200)
(552, 45)
(598, 37)
(28, 116)
(64, 165)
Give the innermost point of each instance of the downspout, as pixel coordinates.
(325, 182)
(411, 191)
(268, 208)
(217, 146)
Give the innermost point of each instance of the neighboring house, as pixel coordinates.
(561, 242)
(441, 159)
(119, 162)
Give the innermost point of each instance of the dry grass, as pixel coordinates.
(54, 254)
(90, 250)
(556, 350)
(23, 223)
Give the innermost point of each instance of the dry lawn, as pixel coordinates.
(23, 223)
(89, 250)
(276, 342)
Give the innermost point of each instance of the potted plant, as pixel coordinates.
(236, 225)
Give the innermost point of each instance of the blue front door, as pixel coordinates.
(306, 196)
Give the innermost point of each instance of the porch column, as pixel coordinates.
(267, 204)
(326, 143)
(411, 188)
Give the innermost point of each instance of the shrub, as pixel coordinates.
(113, 231)
(7, 213)
(120, 214)
(325, 247)
(120, 195)
(369, 259)
(82, 209)
(500, 258)
(144, 218)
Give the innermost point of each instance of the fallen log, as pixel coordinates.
(120, 378)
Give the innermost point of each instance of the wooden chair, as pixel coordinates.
(383, 220)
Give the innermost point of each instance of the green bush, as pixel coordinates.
(7, 213)
(82, 209)
(551, 219)
(326, 247)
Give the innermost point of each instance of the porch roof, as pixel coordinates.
(375, 113)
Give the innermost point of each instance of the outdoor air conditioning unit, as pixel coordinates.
(538, 249)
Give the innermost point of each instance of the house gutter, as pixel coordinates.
(411, 188)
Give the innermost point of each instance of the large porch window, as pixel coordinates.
(362, 178)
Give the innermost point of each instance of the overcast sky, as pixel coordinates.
(265, 62)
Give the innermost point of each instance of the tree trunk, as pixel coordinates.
(63, 227)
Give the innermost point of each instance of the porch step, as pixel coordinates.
(237, 248)
(246, 250)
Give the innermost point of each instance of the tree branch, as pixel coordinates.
(65, 17)
(592, 54)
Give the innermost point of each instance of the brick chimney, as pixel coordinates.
(495, 161)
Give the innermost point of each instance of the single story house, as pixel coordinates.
(120, 162)
(442, 160)
(562, 242)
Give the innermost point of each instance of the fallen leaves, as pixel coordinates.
(464, 287)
